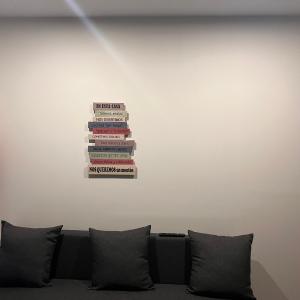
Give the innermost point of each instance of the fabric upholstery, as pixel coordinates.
(168, 256)
(120, 259)
(26, 255)
(64, 289)
(221, 265)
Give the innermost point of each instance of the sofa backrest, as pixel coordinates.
(169, 257)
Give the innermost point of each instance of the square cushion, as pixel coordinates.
(26, 255)
(120, 259)
(221, 265)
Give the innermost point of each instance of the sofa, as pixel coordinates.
(71, 271)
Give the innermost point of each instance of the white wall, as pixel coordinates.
(214, 108)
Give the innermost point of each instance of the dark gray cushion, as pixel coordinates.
(120, 259)
(221, 265)
(64, 289)
(26, 255)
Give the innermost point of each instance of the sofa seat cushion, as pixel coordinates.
(65, 289)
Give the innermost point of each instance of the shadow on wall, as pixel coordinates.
(2, 183)
(1, 170)
(265, 288)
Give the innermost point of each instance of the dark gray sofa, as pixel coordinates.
(169, 267)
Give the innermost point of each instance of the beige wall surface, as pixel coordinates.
(214, 108)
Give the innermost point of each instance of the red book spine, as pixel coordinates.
(112, 161)
(125, 131)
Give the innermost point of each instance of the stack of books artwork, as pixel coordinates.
(111, 152)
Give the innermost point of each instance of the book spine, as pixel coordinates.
(109, 149)
(119, 170)
(96, 137)
(116, 143)
(124, 131)
(107, 125)
(110, 119)
(111, 113)
(112, 161)
(109, 155)
(108, 106)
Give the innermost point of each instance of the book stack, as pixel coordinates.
(111, 152)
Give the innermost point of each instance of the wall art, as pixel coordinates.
(110, 152)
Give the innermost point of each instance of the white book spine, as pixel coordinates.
(115, 170)
(94, 137)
